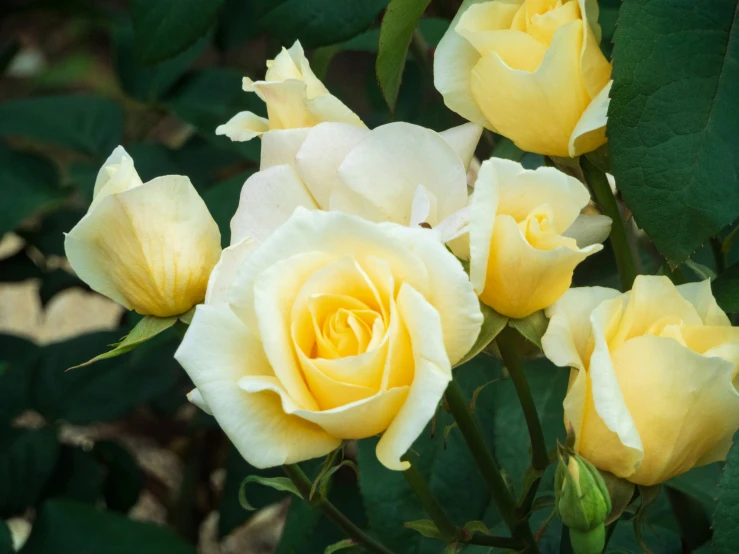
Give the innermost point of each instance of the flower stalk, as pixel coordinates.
(303, 484)
(445, 525)
(598, 183)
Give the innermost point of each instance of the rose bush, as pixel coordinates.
(652, 391)
(333, 328)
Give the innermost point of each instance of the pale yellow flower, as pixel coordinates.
(652, 390)
(527, 235)
(148, 246)
(531, 70)
(333, 328)
(294, 96)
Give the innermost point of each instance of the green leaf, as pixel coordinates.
(726, 289)
(164, 28)
(492, 324)
(277, 483)
(725, 530)
(6, 539)
(145, 330)
(672, 119)
(29, 185)
(702, 483)
(396, 32)
(88, 124)
(77, 476)
(341, 545)
(18, 268)
(48, 235)
(432, 29)
(532, 327)
(109, 389)
(222, 200)
(319, 22)
(232, 514)
(27, 461)
(69, 527)
(425, 527)
(124, 478)
(56, 281)
(149, 83)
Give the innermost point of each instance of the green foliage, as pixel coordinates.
(396, 32)
(726, 289)
(165, 28)
(69, 527)
(725, 531)
(492, 324)
(672, 119)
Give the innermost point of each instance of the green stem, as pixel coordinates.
(488, 467)
(303, 484)
(509, 343)
(445, 525)
(598, 183)
(497, 542)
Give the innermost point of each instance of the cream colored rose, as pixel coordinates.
(527, 235)
(398, 172)
(531, 70)
(652, 390)
(294, 96)
(333, 328)
(148, 246)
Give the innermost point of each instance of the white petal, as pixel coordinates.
(116, 175)
(267, 200)
(433, 372)
(243, 126)
(217, 351)
(589, 229)
(463, 139)
(387, 165)
(423, 209)
(224, 272)
(591, 127)
(196, 398)
(318, 160)
(280, 146)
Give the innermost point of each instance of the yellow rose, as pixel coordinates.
(333, 328)
(295, 99)
(527, 235)
(651, 390)
(531, 70)
(148, 246)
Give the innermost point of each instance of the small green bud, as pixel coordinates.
(582, 502)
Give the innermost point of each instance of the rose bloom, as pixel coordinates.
(652, 390)
(148, 246)
(294, 96)
(531, 70)
(527, 235)
(333, 328)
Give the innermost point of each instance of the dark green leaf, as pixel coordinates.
(492, 324)
(48, 236)
(149, 83)
(726, 289)
(29, 185)
(164, 28)
(425, 527)
(341, 545)
(232, 514)
(106, 390)
(89, 124)
(27, 461)
(6, 539)
(77, 476)
(68, 527)
(725, 529)
(124, 478)
(532, 327)
(320, 22)
(18, 268)
(672, 120)
(18, 357)
(432, 29)
(210, 98)
(145, 330)
(56, 281)
(239, 22)
(700, 483)
(222, 201)
(396, 32)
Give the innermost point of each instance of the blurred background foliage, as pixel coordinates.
(111, 457)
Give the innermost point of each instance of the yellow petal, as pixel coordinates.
(544, 25)
(433, 371)
(701, 297)
(151, 248)
(538, 110)
(453, 60)
(596, 71)
(279, 147)
(218, 351)
(286, 104)
(463, 139)
(590, 131)
(116, 175)
(659, 379)
(224, 273)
